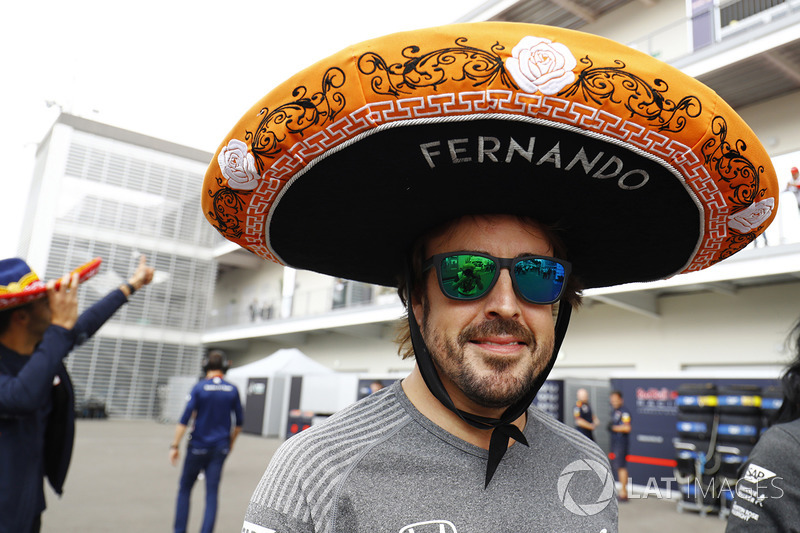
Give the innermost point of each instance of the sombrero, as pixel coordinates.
(645, 172)
(19, 284)
(339, 169)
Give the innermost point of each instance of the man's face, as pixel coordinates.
(582, 395)
(39, 317)
(489, 351)
(616, 401)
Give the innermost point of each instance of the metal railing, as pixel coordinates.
(713, 24)
(304, 304)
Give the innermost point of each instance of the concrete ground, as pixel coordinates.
(121, 481)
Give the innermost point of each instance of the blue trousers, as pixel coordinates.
(210, 461)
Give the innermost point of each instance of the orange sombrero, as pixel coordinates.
(646, 171)
(19, 284)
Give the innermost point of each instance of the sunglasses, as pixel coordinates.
(468, 276)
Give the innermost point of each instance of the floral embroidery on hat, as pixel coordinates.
(238, 166)
(752, 217)
(539, 64)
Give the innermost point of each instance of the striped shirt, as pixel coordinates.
(381, 466)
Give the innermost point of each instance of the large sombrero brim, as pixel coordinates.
(32, 287)
(647, 172)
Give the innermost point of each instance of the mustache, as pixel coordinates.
(498, 326)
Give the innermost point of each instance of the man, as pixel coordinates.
(620, 428)
(537, 152)
(585, 419)
(793, 185)
(39, 326)
(212, 403)
(767, 497)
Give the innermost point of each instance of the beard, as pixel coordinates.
(503, 381)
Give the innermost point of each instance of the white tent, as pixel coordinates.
(285, 362)
(267, 384)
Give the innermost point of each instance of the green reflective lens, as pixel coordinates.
(466, 276)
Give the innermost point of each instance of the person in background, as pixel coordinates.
(39, 327)
(767, 494)
(620, 428)
(213, 403)
(793, 185)
(585, 419)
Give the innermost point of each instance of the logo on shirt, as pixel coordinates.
(590, 467)
(432, 526)
(249, 527)
(757, 473)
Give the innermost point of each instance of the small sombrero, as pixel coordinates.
(646, 171)
(19, 284)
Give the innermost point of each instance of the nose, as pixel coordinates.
(502, 300)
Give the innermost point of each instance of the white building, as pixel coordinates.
(729, 319)
(100, 191)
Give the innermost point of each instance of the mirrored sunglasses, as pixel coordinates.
(471, 275)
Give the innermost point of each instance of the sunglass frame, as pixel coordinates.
(435, 262)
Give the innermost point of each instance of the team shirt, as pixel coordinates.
(380, 465)
(212, 400)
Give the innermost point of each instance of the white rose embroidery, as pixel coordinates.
(538, 64)
(752, 217)
(238, 166)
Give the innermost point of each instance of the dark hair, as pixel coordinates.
(216, 360)
(790, 381)
(572, 294)
(617, 393)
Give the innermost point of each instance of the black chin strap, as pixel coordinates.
(502, 428)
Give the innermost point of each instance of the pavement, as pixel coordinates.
(121, 481)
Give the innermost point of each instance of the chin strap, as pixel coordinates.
(502, 428)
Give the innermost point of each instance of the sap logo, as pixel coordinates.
(432, 526)
(756, 473)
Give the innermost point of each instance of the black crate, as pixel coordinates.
(739, 428)
(695, 425)
(739, 399)
(696, 398)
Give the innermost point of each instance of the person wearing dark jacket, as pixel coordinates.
(767, 495)
(39, 326)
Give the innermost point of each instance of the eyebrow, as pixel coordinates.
(523, 254)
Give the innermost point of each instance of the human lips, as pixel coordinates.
(499, 336)
(499, 345)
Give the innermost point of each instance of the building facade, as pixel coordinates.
(100, 191)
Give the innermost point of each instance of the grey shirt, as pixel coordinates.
(768, 492)
(381, 466)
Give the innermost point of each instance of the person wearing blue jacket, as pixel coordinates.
(39, 326)
(215, 405)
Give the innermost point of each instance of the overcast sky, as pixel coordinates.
(183, 71)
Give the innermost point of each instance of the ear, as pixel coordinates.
(417, 306)
(21, 316)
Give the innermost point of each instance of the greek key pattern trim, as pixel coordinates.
(550, 108)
